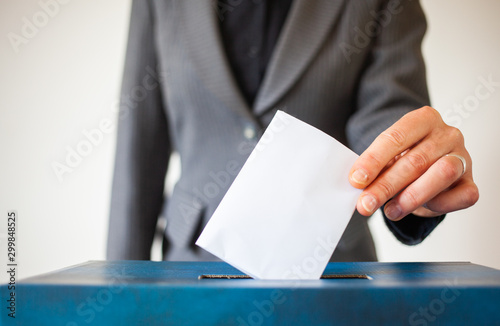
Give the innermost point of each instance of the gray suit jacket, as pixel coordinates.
(350, 68)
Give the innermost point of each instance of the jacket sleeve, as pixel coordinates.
(393, 83)
(143, 147)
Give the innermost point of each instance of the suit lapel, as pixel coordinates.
(305, 29)
(206, 49)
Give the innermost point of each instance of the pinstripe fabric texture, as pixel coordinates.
(350, 68)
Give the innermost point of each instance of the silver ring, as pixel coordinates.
(462, 159)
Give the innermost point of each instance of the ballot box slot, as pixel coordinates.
(344, 276)
(222, 277)
(242, 277)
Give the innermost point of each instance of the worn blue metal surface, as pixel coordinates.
(170, 293)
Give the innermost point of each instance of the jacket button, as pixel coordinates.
(249, 133)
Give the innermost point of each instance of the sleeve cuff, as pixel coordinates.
(412, 229)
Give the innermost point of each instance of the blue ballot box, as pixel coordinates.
(214, 293)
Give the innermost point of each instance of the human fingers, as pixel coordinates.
(421, 149)
(437, 189)
(401, 136)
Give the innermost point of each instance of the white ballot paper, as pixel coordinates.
(286, 210)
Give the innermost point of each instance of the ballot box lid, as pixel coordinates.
(215, 293)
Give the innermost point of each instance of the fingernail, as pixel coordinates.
(359, 176)
(393, 211)
(369, 203)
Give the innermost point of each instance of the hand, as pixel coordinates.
(407, 166)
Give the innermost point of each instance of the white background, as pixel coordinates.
(65, 80)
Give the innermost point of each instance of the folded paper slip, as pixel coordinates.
(286, 210)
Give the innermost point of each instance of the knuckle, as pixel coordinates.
(449, 170)
(431, 116)
(374, 160)
(471, 195)
(426, 113)
(417, 161)
(430, 113)
(386, 189)
(411, 198)
(456, 135)
(394, 136)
